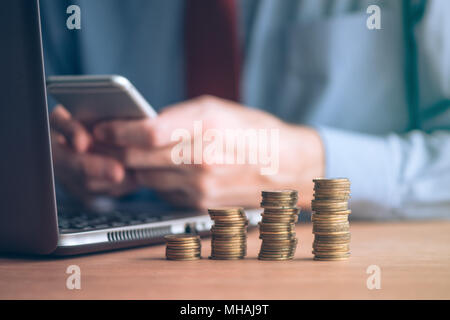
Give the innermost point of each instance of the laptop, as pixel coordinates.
(31, 219)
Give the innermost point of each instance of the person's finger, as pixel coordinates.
(74, 132)
(127, 186)
(131, 133)
(57, 138)
(86, 166)
(84, 174)
(156, 132)
(59, 148)
(136, 158)
(92, 166)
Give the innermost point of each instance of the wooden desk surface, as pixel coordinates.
(414, 259)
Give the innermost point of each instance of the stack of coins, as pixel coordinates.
(277, 226)
(330, 219)
(229, 233)
(183, 247)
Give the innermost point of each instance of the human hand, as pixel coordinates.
(147, 147)
(83, 172)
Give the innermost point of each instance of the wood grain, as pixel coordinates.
(414, 259)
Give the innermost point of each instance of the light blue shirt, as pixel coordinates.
(310, 62)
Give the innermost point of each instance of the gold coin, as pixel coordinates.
(228, 249)
(329, 217)
(226, 209)
(334, 197)
(331, 205)
(288, 192)
(276, 230)
(182, 237)
(331, 254)
(228, 241)
(276, 243)
(270, 244)
(225, 258)
(275, 224)
(274, 259)
(227, 255)
(229, 227)
(331, 245)
(230, 221)
(279, 204)
(293, 210)
(326, 214)
(332, 226)
(331, 259)
(337, 241)
(332, 188)
(229, 234)
(329, 233)
(168, 250)
(284, 252)
(279, 219)
(183, 254)
(331, 182)
(184, 259)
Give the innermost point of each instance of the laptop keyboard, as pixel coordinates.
(76, 221)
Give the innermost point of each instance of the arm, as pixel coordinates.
(394, 176)
(391, 176)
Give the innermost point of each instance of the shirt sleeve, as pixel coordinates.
(394, 176)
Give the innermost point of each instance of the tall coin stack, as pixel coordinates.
(277, 226)
(229, 233)
(183, 247)
(330, 219)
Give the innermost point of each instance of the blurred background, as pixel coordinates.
(358, 89)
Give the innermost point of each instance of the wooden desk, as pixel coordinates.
(414, 259)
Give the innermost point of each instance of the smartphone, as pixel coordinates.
(95, 98)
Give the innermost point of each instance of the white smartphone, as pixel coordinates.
(95, 98)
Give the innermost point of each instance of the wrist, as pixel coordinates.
(302, 158)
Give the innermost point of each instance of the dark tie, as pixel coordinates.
(211, 49)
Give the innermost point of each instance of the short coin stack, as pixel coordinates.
(183, 247)
(277, 226)
(229, 233)
(330, 219)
